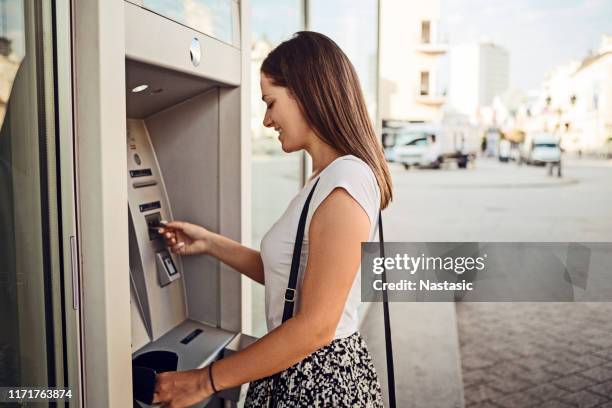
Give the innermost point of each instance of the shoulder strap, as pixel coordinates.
(293, 275)
(388, 343)
(295, 261)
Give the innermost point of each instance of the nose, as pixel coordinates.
(267, 120)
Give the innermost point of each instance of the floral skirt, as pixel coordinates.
(340, 374)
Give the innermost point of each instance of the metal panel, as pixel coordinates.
(100, 133)
(156, 40)
(230, 187)
(186, 142)
(245, 157)
(165, 88)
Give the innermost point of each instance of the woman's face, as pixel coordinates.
(284, 115)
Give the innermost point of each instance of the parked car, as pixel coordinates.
(541, 149)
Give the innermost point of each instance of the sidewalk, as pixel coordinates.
(536, 354)
(426, 353)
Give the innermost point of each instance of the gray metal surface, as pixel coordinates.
(186, 141)
(231, 185)
(166, 88)
(159, 41)
(200, 352)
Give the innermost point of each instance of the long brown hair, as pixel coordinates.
(324, 82)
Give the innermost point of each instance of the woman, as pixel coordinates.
(315, 103)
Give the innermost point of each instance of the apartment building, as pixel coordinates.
(478, 73)
(412, 48)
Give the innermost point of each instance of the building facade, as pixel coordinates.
(478, 73)
(412, 48)
(575, 103)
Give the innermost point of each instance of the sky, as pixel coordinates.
(539, 34)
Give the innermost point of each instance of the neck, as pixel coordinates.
(322, 155)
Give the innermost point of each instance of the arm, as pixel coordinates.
(337, 229)
(189, 239)
(245, 260)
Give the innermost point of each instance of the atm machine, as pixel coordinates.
(183, 158)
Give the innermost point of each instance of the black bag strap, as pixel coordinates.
(293, 275)
(295, 260)
(387, 320)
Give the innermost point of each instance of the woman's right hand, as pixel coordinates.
(186, 239)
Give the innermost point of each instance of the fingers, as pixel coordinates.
(171, 226)
(175, 224)
(171, 237)
(160, 394)
(179, 248)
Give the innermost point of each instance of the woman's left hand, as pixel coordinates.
(178, 389)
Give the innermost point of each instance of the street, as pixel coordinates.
(502, 202)
(512, 354)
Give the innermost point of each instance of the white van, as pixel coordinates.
(541, 149)
(434, 144)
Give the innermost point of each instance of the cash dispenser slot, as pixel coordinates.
(145, 368)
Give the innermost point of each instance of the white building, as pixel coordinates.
(576, 103)
(410, 64)
(478, 73)
(590, 119)
(550, 110)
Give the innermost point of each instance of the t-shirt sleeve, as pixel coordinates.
(357, 179)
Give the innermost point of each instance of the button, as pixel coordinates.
(137, 159)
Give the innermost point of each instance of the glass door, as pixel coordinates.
(37, 309)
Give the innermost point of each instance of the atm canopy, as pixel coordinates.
(164, 88)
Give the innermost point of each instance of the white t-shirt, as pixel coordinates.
(349, 173)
